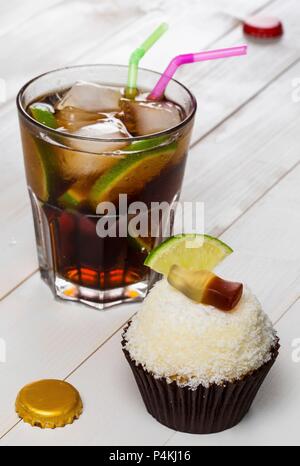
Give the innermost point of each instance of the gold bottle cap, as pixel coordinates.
(49, 404)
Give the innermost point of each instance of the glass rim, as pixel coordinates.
(166, 132)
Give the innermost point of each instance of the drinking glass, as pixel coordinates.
(78, 262)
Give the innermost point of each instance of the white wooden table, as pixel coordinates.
(244, 164)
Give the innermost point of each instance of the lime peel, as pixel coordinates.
(190, 251)
(131, 174)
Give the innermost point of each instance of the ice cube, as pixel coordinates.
(91, 97)
(83, 168)
(108, 128)
(72, 118)
(146, 117)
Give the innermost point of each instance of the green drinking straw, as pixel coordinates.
(137, 55)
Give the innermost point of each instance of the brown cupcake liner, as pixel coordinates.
(204, 410)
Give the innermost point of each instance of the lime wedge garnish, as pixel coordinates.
(131, 174)
(192, 252)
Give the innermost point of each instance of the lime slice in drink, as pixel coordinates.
(38, 169)
(42, 113)
(39, 159)
(131, 174)
(83, 169)
(146, 144)
(192, 252)
(74, 196)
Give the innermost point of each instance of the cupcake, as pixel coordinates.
(197, 362)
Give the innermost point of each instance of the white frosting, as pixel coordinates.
(178, 339)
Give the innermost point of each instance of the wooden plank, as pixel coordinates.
(266, 259)
(195, 29)
(56, 38)
(16, 12)
(58, 32)
(266, 239)
(224, 86)
(237, 163)
(12, 176)
(113, 413)
(221, 87)
(45, 338)
(51, 48)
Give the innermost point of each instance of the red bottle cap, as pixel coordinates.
(263, 27)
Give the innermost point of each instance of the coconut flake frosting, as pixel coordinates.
(194, 344)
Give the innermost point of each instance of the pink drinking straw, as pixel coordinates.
(180, 60)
